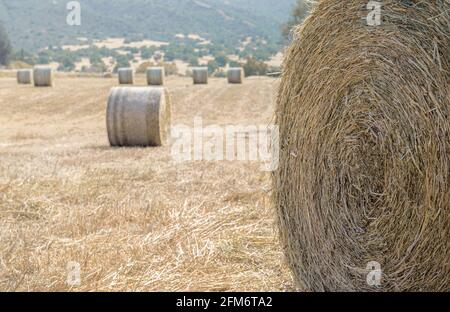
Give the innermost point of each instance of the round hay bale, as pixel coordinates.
(24, 76)
(138, 116)
(155, 76)
(235, 75)
(364, 171)
(43, 76)
(200, 75)
(107, 75)
(126, 75)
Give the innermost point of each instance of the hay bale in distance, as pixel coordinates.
(24, 76)
(138, 116)
(43, 76)
(235, 75)
(364, 170)
(126, 75)
(200, 75)
(155, 76)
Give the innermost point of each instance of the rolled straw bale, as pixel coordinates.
(235, 75)
(138, 116)
(364, 169)
(126, 75)
(155, 76)
(43, 76)
(24, 76)
(200, 75)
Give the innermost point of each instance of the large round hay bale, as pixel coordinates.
(155, 76)
(126, 75)
(200, 75)
(364, 169)
(43, 76)
(138, 116)
(24, 76)
(235, 75)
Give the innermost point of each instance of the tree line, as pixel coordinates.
(5, 46)
(254, 61)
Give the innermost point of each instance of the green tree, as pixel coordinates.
(122, 61)
(96, 58)
(43, 57)
(235, 64)
(23, 56)
(169, 56)
(253, 67)
(67, 64)
(299, 14)
(147, 53)
(221, 59)
(212, 67)
(193, 60)
(5, 46)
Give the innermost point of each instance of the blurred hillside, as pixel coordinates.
(35, 24)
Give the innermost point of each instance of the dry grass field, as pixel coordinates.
(134, 219)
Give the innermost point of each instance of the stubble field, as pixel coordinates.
(133, 219)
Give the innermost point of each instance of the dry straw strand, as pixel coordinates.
(138, 116)
(364, 163)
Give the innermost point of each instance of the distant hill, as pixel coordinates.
(34, 24)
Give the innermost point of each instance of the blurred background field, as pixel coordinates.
(132, 218)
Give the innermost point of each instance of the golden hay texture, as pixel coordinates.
(134, 219)
(24, 76)
(235, 75)
(364, 131)
(138, 116)
(155, 76)
(200, 75)
(126, 75)
(43, 76)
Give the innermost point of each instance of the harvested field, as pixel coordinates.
(131, 217)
